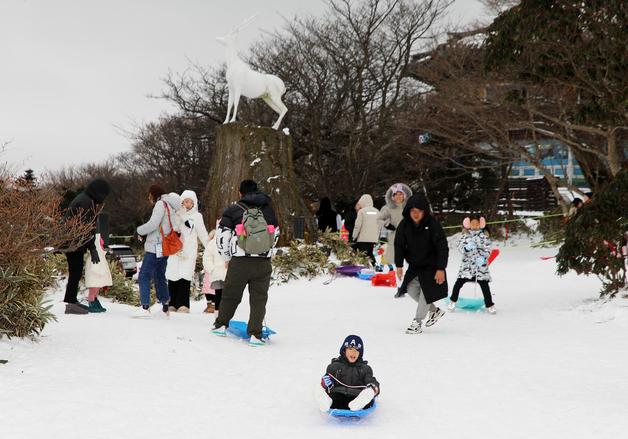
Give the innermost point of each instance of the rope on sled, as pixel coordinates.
(347, 385)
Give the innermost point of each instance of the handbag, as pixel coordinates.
(171, 243)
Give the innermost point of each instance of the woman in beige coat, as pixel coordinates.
(366, 230)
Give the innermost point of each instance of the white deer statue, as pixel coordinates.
(244, 81)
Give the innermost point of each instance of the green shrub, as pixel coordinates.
(311, 260)
(594, 236)
(124, 290)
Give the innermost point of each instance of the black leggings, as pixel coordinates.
(486, 290)
(75, 272)
(179, 293)
(216, 297)
(341, 401)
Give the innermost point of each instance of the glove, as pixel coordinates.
(480, 260)
(470, 246)
(391, 227)
(374, 387)
(362, 399)
(327, 383)
(94, 254)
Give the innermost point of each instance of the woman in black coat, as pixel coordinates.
(421, 241)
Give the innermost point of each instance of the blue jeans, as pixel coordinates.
(153, 268)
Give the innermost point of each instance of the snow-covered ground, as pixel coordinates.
(553, 363)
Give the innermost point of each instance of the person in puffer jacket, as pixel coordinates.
(181, 266)
(85, 205)
(367, 227)
(252, 270)
(348, 382)
(154, 263)
(475, 246)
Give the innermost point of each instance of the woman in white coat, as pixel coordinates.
(181, 267)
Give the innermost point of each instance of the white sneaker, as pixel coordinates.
(254, 341)
(141, 313)
(434, 316)
(220, 331)
(451, 306)
(414, 328)
(491, 310)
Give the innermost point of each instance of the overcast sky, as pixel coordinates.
(71, 71)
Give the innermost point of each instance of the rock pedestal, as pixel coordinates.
(264, 155)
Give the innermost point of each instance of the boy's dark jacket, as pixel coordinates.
(424, 246)
(351, 374)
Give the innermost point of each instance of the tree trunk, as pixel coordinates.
(265, 156)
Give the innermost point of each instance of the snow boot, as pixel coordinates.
(210, 308)
(76, 308)
(183, 309)
(434, 316)
(414, 328)
(99, 305)
(172, 309)
(93, 307)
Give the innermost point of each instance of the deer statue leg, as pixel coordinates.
(279, 108)
(236, 100)
(229, 106)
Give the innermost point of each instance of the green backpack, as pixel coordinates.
(253, 235)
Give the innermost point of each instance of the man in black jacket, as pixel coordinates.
(244, 268)
(421, 241)
(85, 205)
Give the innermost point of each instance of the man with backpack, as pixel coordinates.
(245, 237)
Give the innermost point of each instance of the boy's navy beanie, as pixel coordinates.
(355, 342)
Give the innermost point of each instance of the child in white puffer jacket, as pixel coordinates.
(215, 271)
(475, 246)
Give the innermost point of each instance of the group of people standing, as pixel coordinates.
(416, 238)
(227, 264)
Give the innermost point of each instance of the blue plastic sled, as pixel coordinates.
(469, 303)
(341, 413)
(238, 329)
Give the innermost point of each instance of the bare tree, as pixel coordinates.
(345, 79)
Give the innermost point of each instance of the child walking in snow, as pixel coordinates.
(97, 276)
(475, 246)
(215, 270)
(348, 382)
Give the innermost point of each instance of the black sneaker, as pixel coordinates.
(400, 293)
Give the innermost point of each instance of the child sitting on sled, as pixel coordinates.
(475, 246)
(348, 382)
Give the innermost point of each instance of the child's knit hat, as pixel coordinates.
(355, 342)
